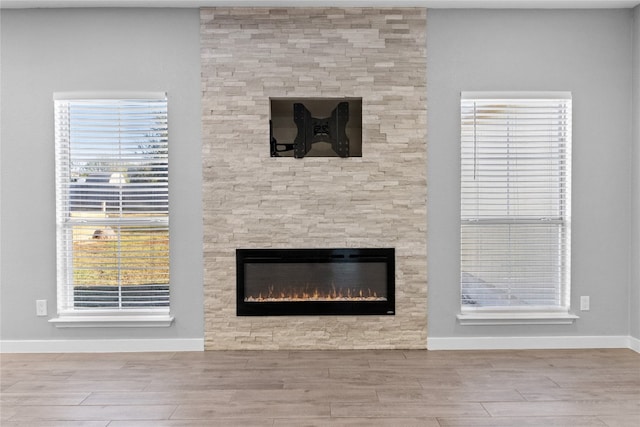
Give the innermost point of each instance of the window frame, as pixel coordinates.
(68, 314)
(518, 314)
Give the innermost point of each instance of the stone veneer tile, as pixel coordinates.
(251, 200)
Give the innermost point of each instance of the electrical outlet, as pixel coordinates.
(41, 307)
(584, 303)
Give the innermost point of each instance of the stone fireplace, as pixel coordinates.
(252, 200)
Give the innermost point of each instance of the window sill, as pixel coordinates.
(511, 318)
(113, 321)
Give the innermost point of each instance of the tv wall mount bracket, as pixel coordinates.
(311, 130)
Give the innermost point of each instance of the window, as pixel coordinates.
(112, 204)
(515, 204)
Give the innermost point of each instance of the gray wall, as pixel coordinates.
(44, 51)
(585, 52)
(634, 301)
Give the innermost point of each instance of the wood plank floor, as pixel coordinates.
(322, 388)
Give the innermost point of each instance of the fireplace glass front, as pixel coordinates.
(273, 282)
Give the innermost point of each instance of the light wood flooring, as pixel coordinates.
(323, 388)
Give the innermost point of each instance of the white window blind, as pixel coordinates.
(515, 201)
(112, 203)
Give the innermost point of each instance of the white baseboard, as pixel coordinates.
(100, 346)
(531, 343)
(436, 343)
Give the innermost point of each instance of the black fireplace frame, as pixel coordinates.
(314, 308)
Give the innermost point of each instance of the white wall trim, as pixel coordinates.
(514, 318)
(113, 321)
(526, 343)
(448, 4)
(438, 343)
(101, 346)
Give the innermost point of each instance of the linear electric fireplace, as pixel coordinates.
(278, 282)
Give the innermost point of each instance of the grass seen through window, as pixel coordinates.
(129, 256)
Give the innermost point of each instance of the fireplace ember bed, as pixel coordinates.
(281, 282)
